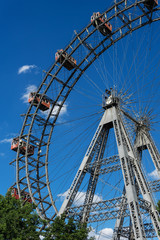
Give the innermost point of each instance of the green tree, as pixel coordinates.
(18, 221)
(62, 229)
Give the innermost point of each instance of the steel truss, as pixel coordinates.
(130, 204)
(143, 141)
(32, 171)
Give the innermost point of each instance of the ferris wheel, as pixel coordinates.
(86, 146)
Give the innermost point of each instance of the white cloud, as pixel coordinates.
(63, 109)
(6, 140)
(104, 234)
(30, 88)
(80, 197)
(55, 110)
(26, 68)
(154, 175)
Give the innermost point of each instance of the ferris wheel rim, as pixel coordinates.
(57, 99)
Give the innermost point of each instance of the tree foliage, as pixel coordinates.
(62, 229)
(18, 221)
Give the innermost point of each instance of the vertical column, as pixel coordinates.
(142, 183)
(153, 152)
(120, 219)
(95, 174)
(131, 194)
(81, 171)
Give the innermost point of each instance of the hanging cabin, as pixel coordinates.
(97, 21)
(35, 98)
(16, 142)
(24, 195)
(63, 57)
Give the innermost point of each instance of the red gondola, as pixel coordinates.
(150, 4)
(35, 99)
(24, 195)
(69, 62)
(96, 20)
(16, 142)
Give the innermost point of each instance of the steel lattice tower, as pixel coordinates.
(136, 197)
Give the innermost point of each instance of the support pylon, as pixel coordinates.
(145, 141)
(133, 177)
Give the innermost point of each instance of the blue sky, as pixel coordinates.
(31, 33)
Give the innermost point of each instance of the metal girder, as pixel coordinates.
(94, 174)
(141, 143)
(85, 44)
(106, 210)
(123, 17)
(144, 141)
(127, 232)
(102, 216)
(110, 169)
(124, 149)
(105, 161)
(145, 190)
(40, 120)
(98, 206)
(104, 170)
(34, 140)
(81, 171)
(155, 186)
(105, 216)
(147, 13)
(150, 232)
